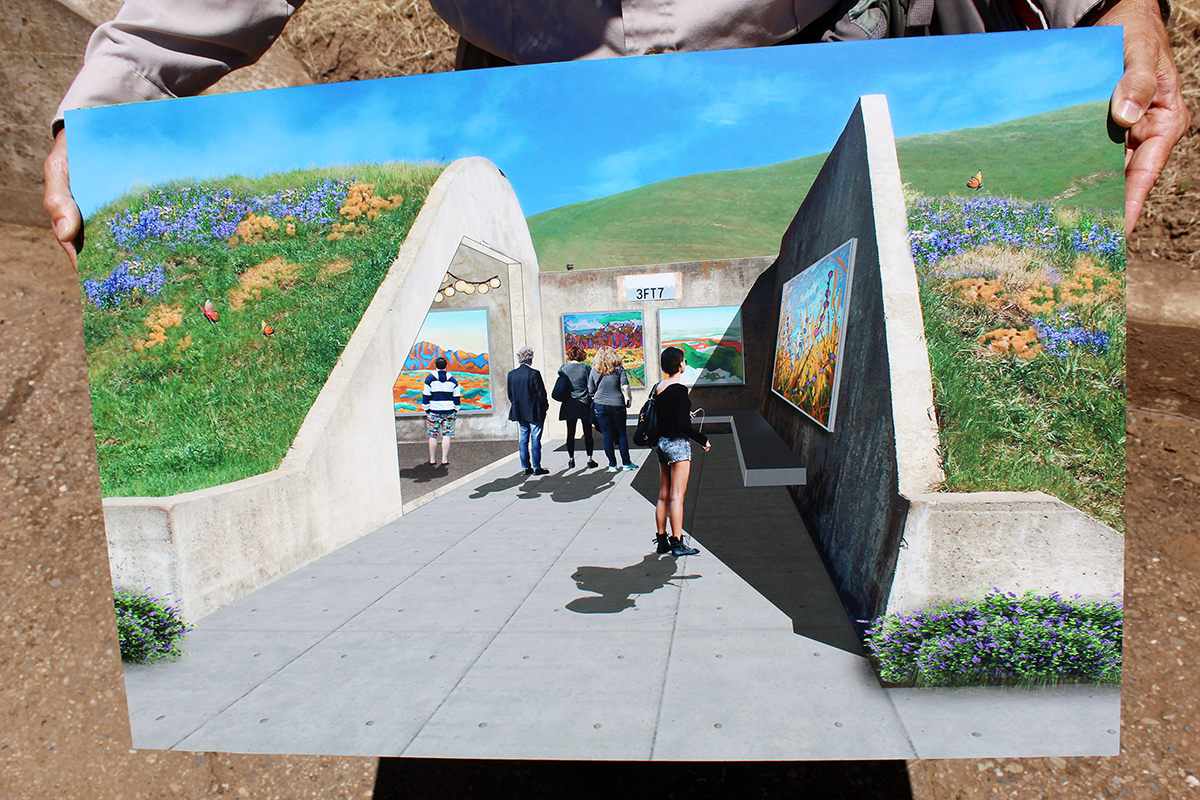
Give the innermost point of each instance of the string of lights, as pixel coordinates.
(452, 285)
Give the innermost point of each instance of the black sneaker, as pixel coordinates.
(592, 464)
(541, 471)
(570, 463)
(678, 548)
(529, 471)
(664, 544)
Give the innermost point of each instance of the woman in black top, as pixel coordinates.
(578, 407)
(673, 408)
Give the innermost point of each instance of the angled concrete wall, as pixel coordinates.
(891, 542)
(885, 441)
(340, 479)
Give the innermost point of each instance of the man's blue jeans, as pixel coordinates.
(530, 445)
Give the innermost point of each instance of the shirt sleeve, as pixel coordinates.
(457, 394)
(427, 393)
(156, 49)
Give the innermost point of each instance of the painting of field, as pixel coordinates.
(620, 330)
(711, 341)
(461, 336)
(812, 326)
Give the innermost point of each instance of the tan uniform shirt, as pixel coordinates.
(163, 48)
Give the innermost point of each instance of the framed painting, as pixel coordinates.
(812, 331)
(711, 341)
(461, 336)
(621, 330)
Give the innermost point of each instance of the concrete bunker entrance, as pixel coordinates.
(476, 320)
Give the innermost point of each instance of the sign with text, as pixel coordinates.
(637, 288)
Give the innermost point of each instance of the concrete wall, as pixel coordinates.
(885, 441)
(340, 479)
(890, 541)
(724, 282)
(963, 544)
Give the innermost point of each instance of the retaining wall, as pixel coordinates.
(340, 479)
(890, 541)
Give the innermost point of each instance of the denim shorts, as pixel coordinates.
(672, 450)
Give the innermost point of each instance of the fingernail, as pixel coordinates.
(1129, 111)
(62, 227)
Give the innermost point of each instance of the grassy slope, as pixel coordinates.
(745, 212)
(170, 420)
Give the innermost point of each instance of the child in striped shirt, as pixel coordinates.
(440, 400)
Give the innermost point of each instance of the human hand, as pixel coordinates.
(58, 202)
(707, 446)
(1147, 100)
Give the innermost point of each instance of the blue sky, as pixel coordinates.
(459, 329)
(564, 133)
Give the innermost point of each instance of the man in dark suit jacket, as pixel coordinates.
(527, 396)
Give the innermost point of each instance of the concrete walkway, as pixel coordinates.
(515, 618)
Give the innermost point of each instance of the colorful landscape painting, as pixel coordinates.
(461, 335)
(711, 341)
(812, 326)
(620, 330)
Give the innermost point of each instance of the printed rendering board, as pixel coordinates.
(711, 340)
(812, 332)
(621, 330)
(461, 336)
(250, 294)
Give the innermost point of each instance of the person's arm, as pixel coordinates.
(683, 418)
(152, 50)
(457, 393)
(625, 387)
(427, 394)
(540, 398)
(593, 382)
(1147, 101)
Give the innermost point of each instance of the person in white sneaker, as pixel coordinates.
(608, 386)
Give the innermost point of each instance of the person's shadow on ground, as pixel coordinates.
(616, 585)
(564, 488)
(423, 472)
(499, 485)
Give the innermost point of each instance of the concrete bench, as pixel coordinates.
(763, 457)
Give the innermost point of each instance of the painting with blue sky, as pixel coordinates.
(565, 133)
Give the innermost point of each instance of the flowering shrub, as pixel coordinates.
(1002, 638)
(1062, 335)
(1098, 239)
(148, 628)
(940, 227)
(176, 215)
(126, 280)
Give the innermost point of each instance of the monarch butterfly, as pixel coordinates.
(267, 330)
(976, 180)
(210, 313)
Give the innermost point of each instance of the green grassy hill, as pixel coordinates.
(213, 313)
(1063, 156)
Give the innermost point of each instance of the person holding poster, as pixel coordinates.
(156, 49)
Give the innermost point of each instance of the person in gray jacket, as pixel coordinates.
(157, 48)
(577, 408)
(608, 384)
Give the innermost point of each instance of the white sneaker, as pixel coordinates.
(613, 468)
